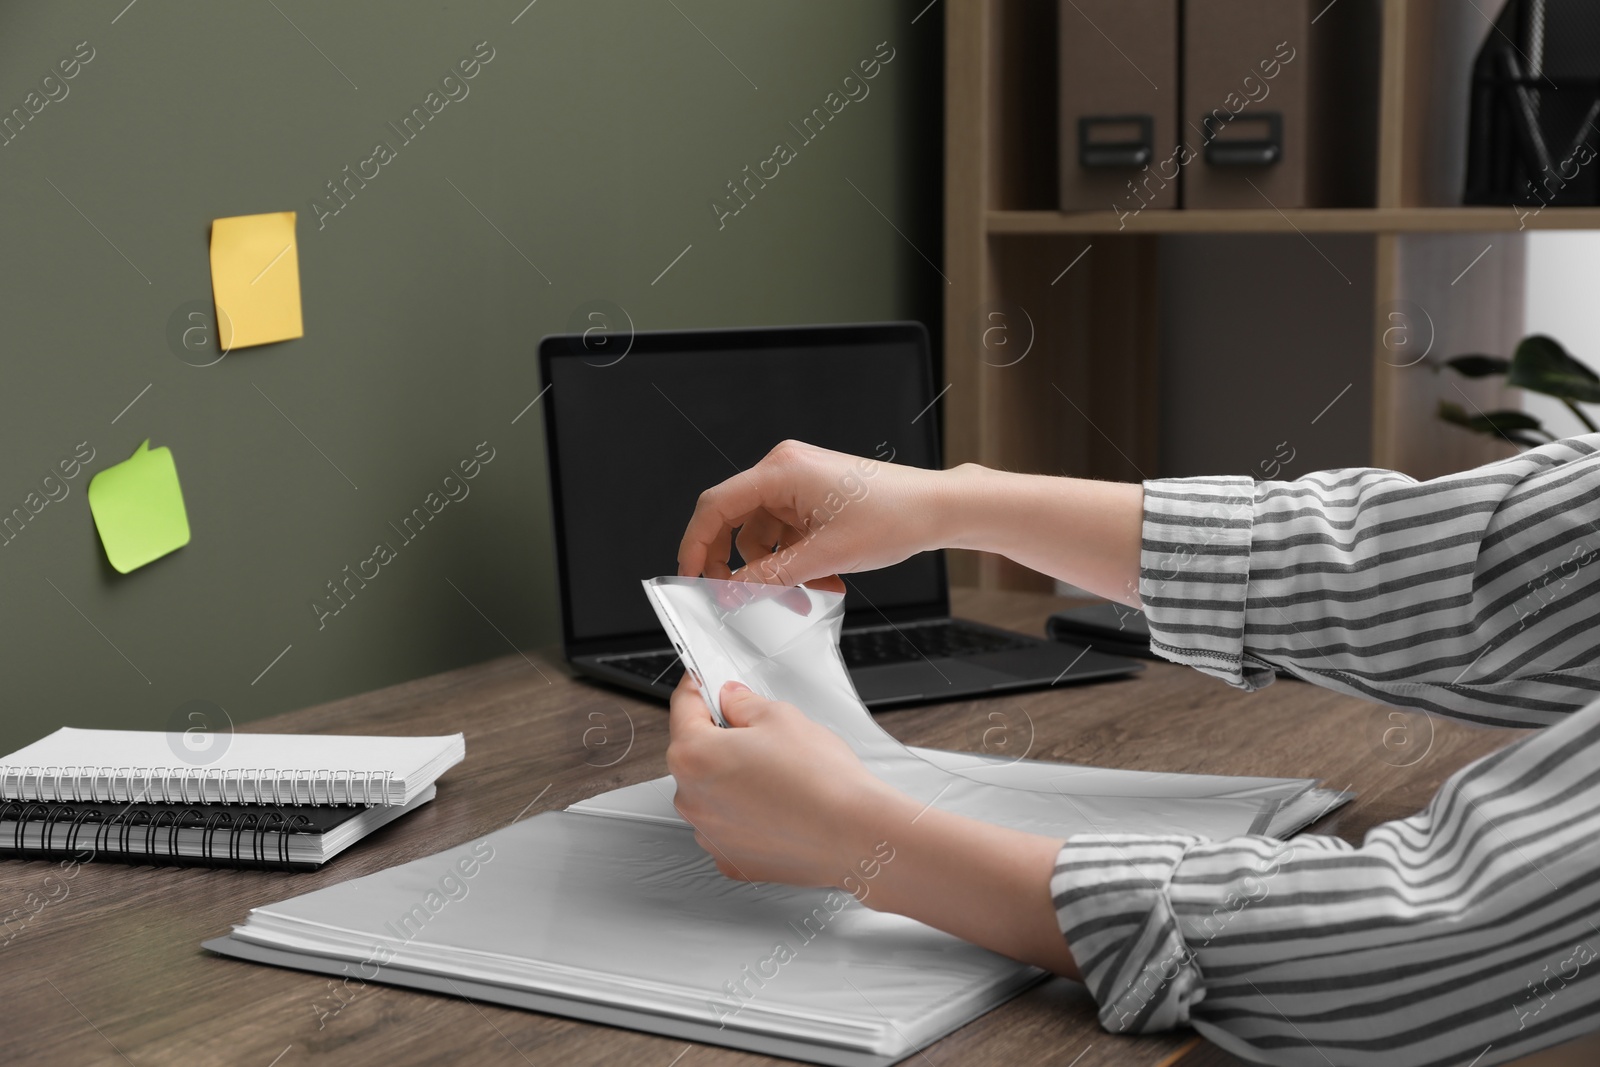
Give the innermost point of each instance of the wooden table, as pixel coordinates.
(114, 972)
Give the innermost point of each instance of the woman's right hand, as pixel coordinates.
(806, 514)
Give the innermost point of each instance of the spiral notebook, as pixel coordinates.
(149, 766)
(210, 835)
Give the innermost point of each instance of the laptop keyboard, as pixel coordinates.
(860, 648)
(949, 637)
(649, 666)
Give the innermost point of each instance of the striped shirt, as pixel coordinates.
(1473, 925)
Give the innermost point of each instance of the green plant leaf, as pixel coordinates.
(1479, 366)
(1516, 426)
(1540, 364)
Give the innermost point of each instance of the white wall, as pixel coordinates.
(1563, 300)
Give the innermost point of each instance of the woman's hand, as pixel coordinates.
(776, 797)
(779, 798)
(806, 514)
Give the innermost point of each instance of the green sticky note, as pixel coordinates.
(138, 508)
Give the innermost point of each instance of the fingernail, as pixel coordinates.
(735, 687)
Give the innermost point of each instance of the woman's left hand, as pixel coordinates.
(774, 798)
(780, 798)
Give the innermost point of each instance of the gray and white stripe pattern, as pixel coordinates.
(1467, 932)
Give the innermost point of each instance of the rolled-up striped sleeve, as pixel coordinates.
(1471, 595)
(1470, 930)
(1194, 574)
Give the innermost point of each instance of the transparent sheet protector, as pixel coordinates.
(637, 916)
(783, 642)
(651, 801)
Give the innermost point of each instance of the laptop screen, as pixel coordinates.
(634, 440)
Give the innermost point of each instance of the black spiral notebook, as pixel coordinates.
(213, 835)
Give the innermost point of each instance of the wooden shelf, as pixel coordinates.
(1298, 220)
(1087, 400)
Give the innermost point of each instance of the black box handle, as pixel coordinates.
(1244, 152)
(1105, 155)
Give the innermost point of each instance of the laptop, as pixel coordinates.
(637, 426)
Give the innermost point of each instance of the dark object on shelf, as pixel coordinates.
(1534, 126)
(1539, 364)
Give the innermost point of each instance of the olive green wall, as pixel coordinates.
(581, 161)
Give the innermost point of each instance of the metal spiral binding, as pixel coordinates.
(267, 786)
(119, 835)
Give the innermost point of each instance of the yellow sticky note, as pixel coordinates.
(138, 508)
(255, 279)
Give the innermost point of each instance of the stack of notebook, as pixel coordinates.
(284, 801)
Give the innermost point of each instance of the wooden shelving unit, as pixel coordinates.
(1296, 220)
(1095, 327)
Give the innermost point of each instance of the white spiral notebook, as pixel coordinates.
(151, 766)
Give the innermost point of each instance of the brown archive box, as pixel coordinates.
(1279, 103)
(1119, 104)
